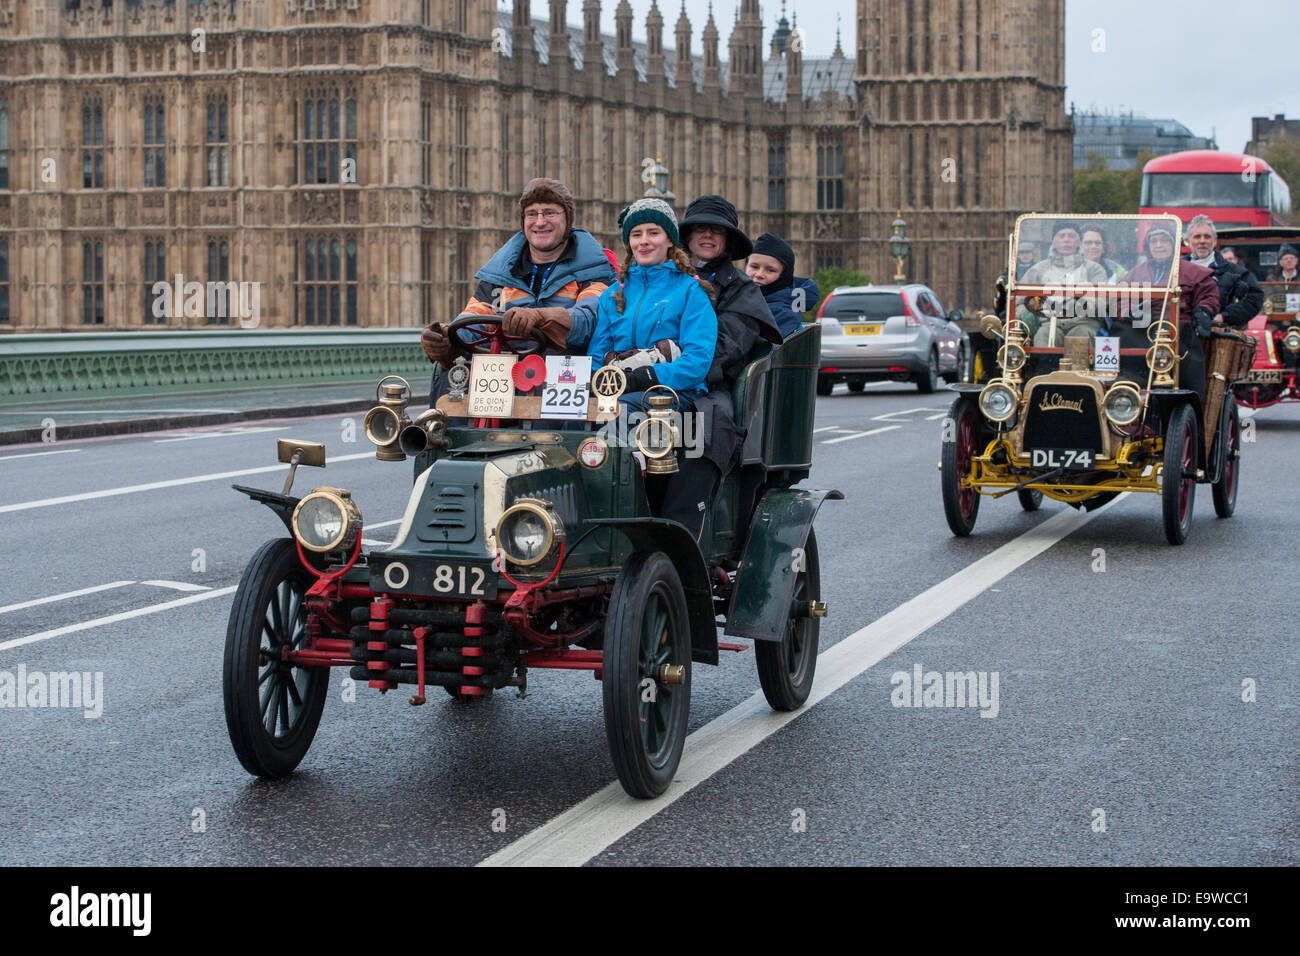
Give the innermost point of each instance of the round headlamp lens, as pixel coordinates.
(319, 523)
(1012, 358)
(527, 536)
(1292, 340)
(998, 402)
(1122, 405)
(1161, 358)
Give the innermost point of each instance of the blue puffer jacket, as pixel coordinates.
(662, 302)
(788, 318)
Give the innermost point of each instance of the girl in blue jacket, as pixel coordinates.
(658, 325)
(657, 322)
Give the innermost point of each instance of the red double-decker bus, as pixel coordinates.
(1233, 189)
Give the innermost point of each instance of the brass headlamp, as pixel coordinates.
(657, 437)
(327, 520)
(384, 423)
(1291, 340)
(1162, 357)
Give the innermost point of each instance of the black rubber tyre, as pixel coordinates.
(1224, 490)
(272, 708)
(786, 667)
(928, 381)
(647, 628)
(857, 387)
(824, 385)
(961, 506)
(1030, 499)
(1178, 479)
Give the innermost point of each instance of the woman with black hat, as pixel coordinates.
(711, 232)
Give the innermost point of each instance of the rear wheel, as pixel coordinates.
(960, 505)
(928, 380)
(1224, 490)
(1030, 499)
(1178, 478)
(824, 385)
(786, 667)
(646, 680)
(272, 707)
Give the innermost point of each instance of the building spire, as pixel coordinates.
(839, 50)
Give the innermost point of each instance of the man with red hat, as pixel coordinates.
(547, 276)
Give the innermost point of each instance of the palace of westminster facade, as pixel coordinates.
(360, 159)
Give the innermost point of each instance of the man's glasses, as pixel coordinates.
(533, 215)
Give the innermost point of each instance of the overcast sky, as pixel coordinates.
(1210, 65)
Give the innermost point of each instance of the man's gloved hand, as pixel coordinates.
(436, 345)
(553, 321)
(1204, 320)
(520, 321)
(639, 379)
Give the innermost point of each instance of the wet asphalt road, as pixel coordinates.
(1120, 692)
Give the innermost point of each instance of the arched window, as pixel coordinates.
(92, 144)
(155, 270)
(328, 289)
(155, 141)
(92, 283)
(218, 141)
(4, 143)
(328, 135)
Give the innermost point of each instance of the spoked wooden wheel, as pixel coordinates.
(1178, 477)
(786, 667)
(646, 681)
(1224, 491)
(960, 505)
(272, 707)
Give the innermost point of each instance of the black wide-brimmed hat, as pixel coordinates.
(716, 211)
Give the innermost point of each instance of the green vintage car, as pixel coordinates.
(528, 544)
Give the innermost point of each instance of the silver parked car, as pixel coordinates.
(888, 332)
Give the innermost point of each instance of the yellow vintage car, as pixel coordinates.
(1092, 380)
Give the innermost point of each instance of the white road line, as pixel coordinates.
(372, 543)
(583, 831)
(935, 418)
(826, 428)
(38, 454)
(874, 431)
(891, 416)
(64, 596)
(382, 524)
(178, 585)
(215, 433)
(114, 618)
(154, 485)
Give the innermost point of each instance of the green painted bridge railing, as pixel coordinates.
(80, 365)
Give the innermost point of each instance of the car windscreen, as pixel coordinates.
(1176, 190)
(874, 306)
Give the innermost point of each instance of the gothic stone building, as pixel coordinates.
(361, 158)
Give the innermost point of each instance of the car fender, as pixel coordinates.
(661, 534)
(1169, 399)
(760, 600)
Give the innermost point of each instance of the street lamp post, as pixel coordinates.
(898, 244)
(657, 175)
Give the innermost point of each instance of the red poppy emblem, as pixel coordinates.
(529, 372)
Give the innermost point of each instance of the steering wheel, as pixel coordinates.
(468, 336)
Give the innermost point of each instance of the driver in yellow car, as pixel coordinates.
(547, 278)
